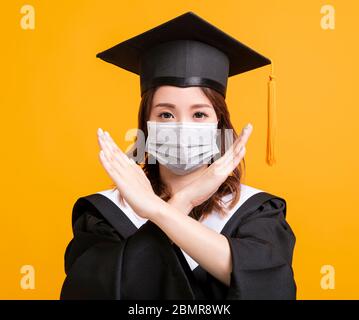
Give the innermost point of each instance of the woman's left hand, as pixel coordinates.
(129, 178)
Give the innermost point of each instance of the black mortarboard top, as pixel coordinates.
(189, 51)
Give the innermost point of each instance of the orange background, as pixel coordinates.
(55, 94)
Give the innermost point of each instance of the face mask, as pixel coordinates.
(182, 146)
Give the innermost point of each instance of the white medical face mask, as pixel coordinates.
(182, 146)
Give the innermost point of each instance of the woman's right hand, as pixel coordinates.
(208, 183)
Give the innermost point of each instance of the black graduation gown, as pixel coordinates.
(110, 258)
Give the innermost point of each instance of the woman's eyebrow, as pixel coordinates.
(201, 105)
(169, 105)
(194, 106)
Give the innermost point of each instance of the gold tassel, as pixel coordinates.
(271, 129)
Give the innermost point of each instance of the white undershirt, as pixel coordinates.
(213, 221)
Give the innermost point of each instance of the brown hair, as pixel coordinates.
(230, 185)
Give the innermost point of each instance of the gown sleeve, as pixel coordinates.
(262, 247)
(92, 257)
(109, 258)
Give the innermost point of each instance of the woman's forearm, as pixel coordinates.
(208, 248)
(179, 201)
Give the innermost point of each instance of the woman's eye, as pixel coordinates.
(200, 115)
(165, 115)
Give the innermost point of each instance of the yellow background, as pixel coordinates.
(55, 94)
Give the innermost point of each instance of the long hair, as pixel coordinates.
(230, 186)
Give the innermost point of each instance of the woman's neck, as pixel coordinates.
(177, 182)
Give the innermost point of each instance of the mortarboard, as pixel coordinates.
(190, 51)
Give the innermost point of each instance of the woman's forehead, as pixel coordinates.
(179, 96)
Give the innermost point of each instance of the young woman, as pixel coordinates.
(174, 231)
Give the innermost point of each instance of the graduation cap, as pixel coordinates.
(190, 51)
